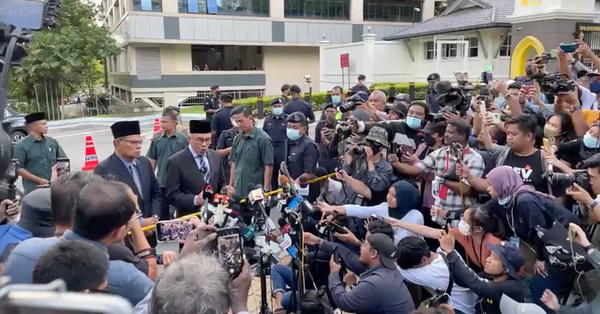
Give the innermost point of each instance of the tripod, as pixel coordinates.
(263, 262)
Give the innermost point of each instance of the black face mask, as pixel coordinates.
(528, 71)
(375, 148)
(429, 140)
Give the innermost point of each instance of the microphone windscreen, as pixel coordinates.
(283, 180)
(251, 186)
(303, 180)
(443, 87)
(282, 222)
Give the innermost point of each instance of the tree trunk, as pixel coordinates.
(46, 94)
(37, 96)
(62, 96)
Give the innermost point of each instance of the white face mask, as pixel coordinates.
(464, 228)
(235, 125)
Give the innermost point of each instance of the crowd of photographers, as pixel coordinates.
(480, 199)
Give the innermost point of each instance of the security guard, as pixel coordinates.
(324, 131)
(275, 125)
(37, 153)
(297, 104)
(302, 153)
(221, 120)
(224, 147)
(211, 102)
(285, 92)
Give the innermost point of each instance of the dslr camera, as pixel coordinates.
(579, 176)
(352, 102)
(454, 98)
(551, 83)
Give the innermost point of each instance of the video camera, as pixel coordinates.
(352, 102)
(551, 83)
(454, 98)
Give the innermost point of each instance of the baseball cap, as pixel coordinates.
(384, 245)
(36, 213)
(510, 255)
(328, 105)
(378, 135)
(510, 306)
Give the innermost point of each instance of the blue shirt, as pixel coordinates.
(123, 278)
(12, 234)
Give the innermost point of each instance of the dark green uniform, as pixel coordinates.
(37, 157)
(163, 147)
(250, 153)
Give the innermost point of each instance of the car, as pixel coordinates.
(14, 125)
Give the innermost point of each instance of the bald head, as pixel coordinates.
(377, 100)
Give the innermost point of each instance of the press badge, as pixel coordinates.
(515, 241)
(435, 187)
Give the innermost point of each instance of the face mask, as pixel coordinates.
(464, 228)
(277, 111)
(550, 131)
(413, 123)
(292, 134)
(429, 140)
(589, 141)
(503, 201)
(234, 123)
(376, 149)
(499, 101)
(528, 71)
(595, 87)
(336, 99)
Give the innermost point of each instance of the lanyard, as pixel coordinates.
(465, 152)
(478, 257)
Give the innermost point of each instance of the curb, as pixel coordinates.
(111, 120)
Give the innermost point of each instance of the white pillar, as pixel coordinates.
(276, 9)
(322, 62)
(428, 9)
(356, 10)
(368, 57)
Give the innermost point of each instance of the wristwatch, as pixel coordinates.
(589, 247)
(575, 108)
(146, 253)
(593, 205)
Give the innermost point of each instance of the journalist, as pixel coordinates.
(575, 152)
(500, 274)
(324, 132)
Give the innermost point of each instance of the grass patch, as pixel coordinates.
(193, 109)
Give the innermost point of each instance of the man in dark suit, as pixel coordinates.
(190, 170)
(128, 166)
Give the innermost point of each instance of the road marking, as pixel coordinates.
(89, 132)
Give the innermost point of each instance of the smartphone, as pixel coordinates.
(63, 165)
(569, 48)
(337, 228)
(496, 117)
(546, 144)
(571, 234)
(482, 108)
(527, 89)
(229, 245)
(173, 230)
(159, 259)
(336, 256)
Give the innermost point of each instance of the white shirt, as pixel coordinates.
(588, 99)
(436, 276)
(414, 217)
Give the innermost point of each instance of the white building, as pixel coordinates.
(470, 35)
(249, 47)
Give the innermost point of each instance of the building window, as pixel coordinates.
(473, 47)
(408, 11)
(450, 51)
(225, 7)
(317, 9)
(227, 58)
(505, 48)
(147, 5)
(429, 49)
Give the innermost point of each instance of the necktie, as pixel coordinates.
(205, 168)
(136, 179)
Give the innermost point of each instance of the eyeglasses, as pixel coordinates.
(137, 215)
(140, 142)
(200, 140)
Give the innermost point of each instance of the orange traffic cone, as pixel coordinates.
(91, 159)
(156, 127)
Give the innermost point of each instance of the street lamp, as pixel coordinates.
(414, 14)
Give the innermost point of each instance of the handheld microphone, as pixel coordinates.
(256, 196)
(284, 226)
(247, 232)
(285, 241)
(303, 188)
(284, 183)
(208, 195)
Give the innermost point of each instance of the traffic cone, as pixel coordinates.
(156, 127)
(91, 159)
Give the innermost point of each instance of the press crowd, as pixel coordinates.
(430, 210)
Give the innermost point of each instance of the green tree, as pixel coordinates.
(63, 59)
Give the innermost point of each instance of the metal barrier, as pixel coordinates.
(239, 94)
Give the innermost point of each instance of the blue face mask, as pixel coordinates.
(292, 134)
(503, 201)
(336, 99)
(277, 111)
(595, 87)
(590, 141)
(413, 122)
(499, 101)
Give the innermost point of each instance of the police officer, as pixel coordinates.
(275, 125)
(37, 153)
(285, 92)
(211, 102)
(432, 95)
(297, 104)
(302, 153)
(221, 120)
(328, 157)
(224, 147)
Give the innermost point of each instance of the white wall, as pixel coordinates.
(392, 63)
(332, 73)
(287, 65)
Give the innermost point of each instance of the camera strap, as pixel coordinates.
(450, 279)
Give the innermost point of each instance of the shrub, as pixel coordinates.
(319, 99)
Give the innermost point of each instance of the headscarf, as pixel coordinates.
(508, 185)
(407, 199)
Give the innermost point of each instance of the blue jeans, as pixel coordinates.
(281, 278)
(555, 282)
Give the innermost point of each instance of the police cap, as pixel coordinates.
(297, 117)
(276, 101)
(226, 97)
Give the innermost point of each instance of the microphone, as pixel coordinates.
(284, 183)
(208, 193)
(285, 241)
(247, 232)
(284, 226)
(256, 196)
(303, 190)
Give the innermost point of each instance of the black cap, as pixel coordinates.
(297, 117)
(36, 213)
(435, 128)
(510, 255)
(296, 89)
(36, 116)
(401, 108)
(329, 105)
(276, 101)
(362, 77)
(214, 87)
(226, 97)
(199, 127)
(125, 128)
(384, 245)
(320, 171)
(433, 76)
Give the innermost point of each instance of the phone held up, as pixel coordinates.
(173, 230)
(229, 245)
(63, 165)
